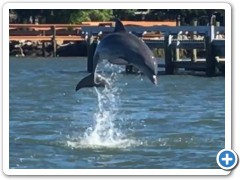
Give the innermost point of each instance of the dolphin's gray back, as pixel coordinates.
(123, 45)
(121, 48)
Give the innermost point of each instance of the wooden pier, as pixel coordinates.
(171, 39)
(209, 39)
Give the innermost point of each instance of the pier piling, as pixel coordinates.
(177, 53)
(210, 60)
(54, 42)
(91, 47)
(43, 49)
(194, 37)
(168, 54)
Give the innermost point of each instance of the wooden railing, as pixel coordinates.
(68, 32)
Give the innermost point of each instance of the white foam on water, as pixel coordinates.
(105, 132)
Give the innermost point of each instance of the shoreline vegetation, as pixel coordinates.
(76, 16)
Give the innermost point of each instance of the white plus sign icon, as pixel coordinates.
(227, 159)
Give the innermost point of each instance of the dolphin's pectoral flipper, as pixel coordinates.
(118, 61)
(92, 80)
(88, 81)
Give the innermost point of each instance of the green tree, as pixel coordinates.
(124, 14)
(78, 16)
(25, 14)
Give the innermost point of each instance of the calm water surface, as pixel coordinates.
(178, 124)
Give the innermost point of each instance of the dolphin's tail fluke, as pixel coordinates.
(91, 81)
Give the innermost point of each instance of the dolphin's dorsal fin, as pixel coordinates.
(119, 26)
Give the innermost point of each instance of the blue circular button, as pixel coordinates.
(227, 159)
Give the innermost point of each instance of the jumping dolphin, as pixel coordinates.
(122, 48)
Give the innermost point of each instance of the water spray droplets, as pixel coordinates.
(104, 132)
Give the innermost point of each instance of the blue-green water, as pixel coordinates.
(178, 124)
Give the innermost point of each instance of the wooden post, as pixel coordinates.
(194, 51)
(210, 60)
(91, 46)
(43, 32)
(54, 42)
(212, 30)
(176, 54)
(168, 54)
(43, 45)
(92, 51)
(178, 21)
(43, 49)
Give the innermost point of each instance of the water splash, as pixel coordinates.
(106, 131)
